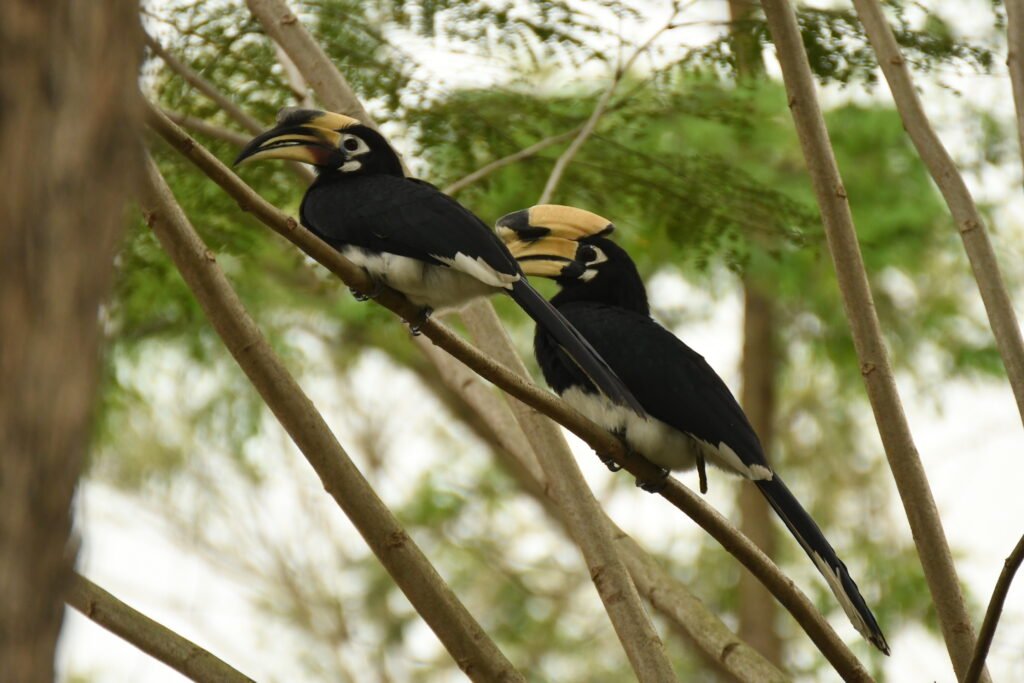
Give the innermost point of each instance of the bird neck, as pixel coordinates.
(622, 288)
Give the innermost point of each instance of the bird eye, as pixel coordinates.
(586, 253)
(350, 144)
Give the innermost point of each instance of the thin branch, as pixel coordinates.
(1001, 316)
(1015, 61)
(151, 637)
(583, 515)
(199, 125)
(603, 443)
(563, 161)
(994, 611)
(471, 648)
(665, 593)
(285, 29)
(298, 85)
(204, 86)
(911, 480)
(525, 153)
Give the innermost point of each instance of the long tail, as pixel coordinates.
(578, 348)
(824, 557)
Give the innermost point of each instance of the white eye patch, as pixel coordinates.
(353, 145)
(591, 255)
(350, 166)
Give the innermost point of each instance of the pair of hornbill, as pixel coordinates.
(596, 343)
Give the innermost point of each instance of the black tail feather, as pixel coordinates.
(814, 543)
(579, 349)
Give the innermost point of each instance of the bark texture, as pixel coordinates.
(67, 130)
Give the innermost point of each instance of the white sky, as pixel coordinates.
(970, 438)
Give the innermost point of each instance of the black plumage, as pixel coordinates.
(691, 411)
(408, 234)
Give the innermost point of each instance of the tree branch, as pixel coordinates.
(222, 101)
(471, 648)
(603, 443)
(994, 611)
(911, 480)
(665, 593)
(586, 523)
(153, 638)
(1001, 316)
(1015, 61)
(563, 161)
(204, 86)
(525, 153)
(202, 126)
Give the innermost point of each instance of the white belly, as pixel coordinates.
(424, 284)
(657, 441)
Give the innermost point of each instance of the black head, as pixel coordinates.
(331, 142)
(571, 247)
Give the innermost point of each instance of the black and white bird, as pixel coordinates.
(692, 413)
(408, 234)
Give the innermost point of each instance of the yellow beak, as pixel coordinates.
(307, 135)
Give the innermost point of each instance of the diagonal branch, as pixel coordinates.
(203, 86)
(994, 611)
(911, 480)
(603, 443)
(206, 128)
(470, 647)
(666, 594)
(563, 161)
(151, 637)
(498, 164)
(222, 101)
(954, 190)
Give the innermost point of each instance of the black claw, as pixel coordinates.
(366, 296)
(611, 465)
(655, 485)
(416, 326)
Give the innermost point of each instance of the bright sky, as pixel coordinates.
(969, 435)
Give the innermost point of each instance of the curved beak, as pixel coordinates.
(544, 238)
(307, 135)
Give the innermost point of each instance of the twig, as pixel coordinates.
(582, 513)
(1001, 316)
(206, 128)
(525, 153)
(153, 638)
(1015, 61)
(222, 101)
(911, 480)
(994, 611)
(665, 593)
(285, 29)
(471, 648)
(563, 161)
(204, 86)
(603, 443)
(296, 82)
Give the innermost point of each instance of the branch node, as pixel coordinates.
(209, 255)
(969, 225)
(896, 60)
(841, 191)
(867, 368)
(288, 19)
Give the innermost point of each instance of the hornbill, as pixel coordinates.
(408, 234)
(692, 414)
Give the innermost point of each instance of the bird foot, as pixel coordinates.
(366, 296)
(702, 474)
(655, 485)
(611, 464)
(416, 325)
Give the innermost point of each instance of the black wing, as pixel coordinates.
(672, 381)
(401, 216)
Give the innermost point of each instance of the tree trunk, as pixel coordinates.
(757, 608)
(68, 86)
